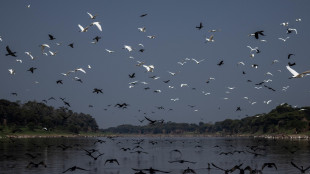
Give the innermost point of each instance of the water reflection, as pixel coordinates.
(175, 155)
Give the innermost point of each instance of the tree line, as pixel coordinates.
(283, 119)
(35, 115)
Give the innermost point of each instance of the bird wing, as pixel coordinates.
(306, 72)
(97, 25)
(217, 167)
(90, 15)
(292, 71)
(295, 165)
(81, 69)
(81, 28)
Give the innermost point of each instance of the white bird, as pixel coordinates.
(289, 30)
(184, 84)
(231, 88)
(127, 47)
(109, 51)
(285, 24)
(158, 91)
(258, 87)
(187, 59)
(214, 30)
(253, 103)
(88, 66)
(252, 55)
(30, 55)
(171, 87)
(284, 88)
(269, 80)
(211, 78)
(133, 83)
(263, 40)
(253, 49)
(298, 20)
(151, 37)
(131, 57)
(91, 16)
(267, 102)
(80, 69)
(225, 98)
(210, 39)
(28, 6)
(0, 38)
(227, 92)
(296, 74)
(19, 60)
(198, 61)
(12, 71)
(141, 45)
(143, 29)
(275, 61)
(206, 93)
(145, 83)
(82, 29)
(97, 24)
(269, 73)
(284, 40)
(52, 53)
(241, 63)
(149, 68)
(43, 46)
(174, 99)
(172, 73)
(181, 63)
(247, 98)
(140, 63)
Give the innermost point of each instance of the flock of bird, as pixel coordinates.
(113, 154)
(150, 68)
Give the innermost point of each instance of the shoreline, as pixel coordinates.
(267, 136)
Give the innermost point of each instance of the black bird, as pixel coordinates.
(33, 156)
(257, 33)
(150, 170)
(99, 141)
(36, 165)
(141, 121)
(301, 168)
(51, 37)
(225, 153)
(71, 45)
(96, 90)
(125, 149)
(123, 105)
(59, 82)
(139, 152)
(221, 63)
(143, 15)
(291, 64)
(111, 161)
(96, 39)
(269, 165)
(167, 81)
(51, 98)
(14, 93)
(289, 56)
(64, 147)
(10, 53)
(32, 69)
(74, 168)
(188, 170)
(226, 170)
(150, 121)
(142, 50)
(133, 75)
(93, 157)
(238, 108)
(66, 103)
(182, 161)
(200, 26)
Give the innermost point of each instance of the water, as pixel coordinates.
(202, 151)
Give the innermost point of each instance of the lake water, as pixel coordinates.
(160, 153)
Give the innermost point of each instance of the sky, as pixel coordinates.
(25, 25)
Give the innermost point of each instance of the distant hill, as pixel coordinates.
(33, 115)
(283, 119)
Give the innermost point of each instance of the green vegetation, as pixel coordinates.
(283, 119)
(37, 118)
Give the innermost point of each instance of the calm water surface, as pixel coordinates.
(159, 154)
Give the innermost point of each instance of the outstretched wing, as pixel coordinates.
(292, 71)
(217, 167)
(295, 165)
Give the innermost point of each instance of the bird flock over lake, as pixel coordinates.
(172, 87)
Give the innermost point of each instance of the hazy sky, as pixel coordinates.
(176, 38)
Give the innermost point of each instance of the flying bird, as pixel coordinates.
(74, 168)
(284, 40)
(91, 16)
(198, 61)
(301, 168)
(111, 161)
(51, 37)
(32, 69)
(12, 72)
(109, 51)
(290, 30)
(82, 29)
(257, 33)
(149, 68)
(210, 39)
(97, 24)
(96, 90)
(296, 74)
(128, 48)
(200, 26)
(10, 52)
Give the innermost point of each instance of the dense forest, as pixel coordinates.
(283, 119)
(34, 115)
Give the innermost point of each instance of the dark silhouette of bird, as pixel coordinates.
(142, 50)
(226, 170)
(166, 81)
(221, 63)
(96, 90)
(51, 37)
(14, 93)
(32, 69)
(111, 161)
(289, 56)
(150, 121)
(36, 165)
(99, 141)
(301, 168)
(238, 108)
(71, 45)
(95, 157)
(59, 82)
(182, 161)
(66, 103)
(200, 26)
(133, 75)
(74, 168)
(96, 39)
(143, 15)
(64, 147)
(139, 152)
(10, 53)
(257, 33)
(269, 165)
(225, 153)
(291, 64)
(33, 156)
(125, 149)
(188, 170)
(150, 170)
(121, 105)
(51, 98)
